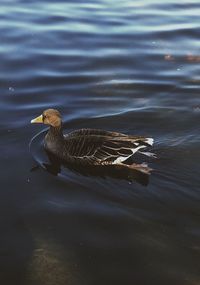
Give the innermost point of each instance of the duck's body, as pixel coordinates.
(89, 146)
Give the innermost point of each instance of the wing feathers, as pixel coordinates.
(119, 151)
(103, 147)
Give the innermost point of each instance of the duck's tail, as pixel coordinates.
(149, 141)
(148, 153)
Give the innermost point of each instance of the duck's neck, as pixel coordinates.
(55, 132)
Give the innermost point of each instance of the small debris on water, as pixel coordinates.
(196, 108)
(11, 89)
(169, 57)
(193, 58)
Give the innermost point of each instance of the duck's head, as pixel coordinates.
(50, 117)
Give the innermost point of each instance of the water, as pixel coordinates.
(128, 66)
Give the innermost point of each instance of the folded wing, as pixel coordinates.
(103, 147)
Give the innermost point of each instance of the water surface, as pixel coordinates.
(128, 66)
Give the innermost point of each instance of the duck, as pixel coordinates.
(90, 147)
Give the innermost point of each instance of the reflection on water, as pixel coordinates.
(46, 265)
(134, 173)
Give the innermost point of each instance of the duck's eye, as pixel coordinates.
(44, 117)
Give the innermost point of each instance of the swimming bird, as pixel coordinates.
(90, 146)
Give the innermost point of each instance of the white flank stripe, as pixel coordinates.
(122, 158)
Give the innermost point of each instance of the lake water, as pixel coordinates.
(128, 66)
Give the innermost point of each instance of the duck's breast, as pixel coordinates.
(53, 145)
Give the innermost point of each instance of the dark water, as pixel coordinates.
(128, 66)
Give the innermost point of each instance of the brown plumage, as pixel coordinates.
(89, 146)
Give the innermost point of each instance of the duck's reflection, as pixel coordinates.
(133, 172)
